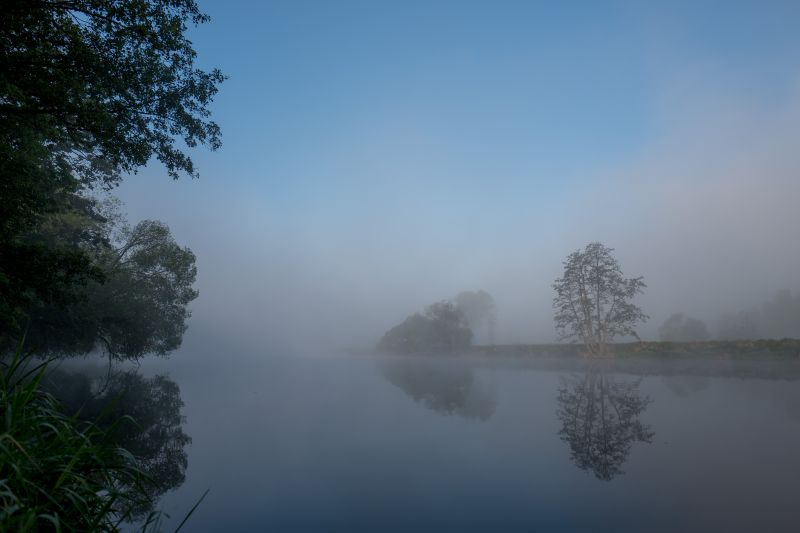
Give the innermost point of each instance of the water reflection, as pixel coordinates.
(156, 438)
(300, 424)
(685, 386)
(444, 385)
(600, 421)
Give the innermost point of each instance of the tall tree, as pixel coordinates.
(89, 91)
(593, 302)
(139, 308)
(479, 310)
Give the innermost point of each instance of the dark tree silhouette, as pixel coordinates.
(443, 329)
(89, 91)
(139, 308)
(593, 302)
(600, 421)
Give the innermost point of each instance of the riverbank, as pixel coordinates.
(744, 349)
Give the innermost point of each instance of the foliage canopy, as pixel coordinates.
(593, 302)
(443, 329)
(89, 91)
(139, 308)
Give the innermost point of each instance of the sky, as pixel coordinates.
(380, 156)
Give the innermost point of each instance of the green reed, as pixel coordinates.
(59, 473)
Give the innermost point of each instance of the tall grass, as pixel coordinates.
(58, 473)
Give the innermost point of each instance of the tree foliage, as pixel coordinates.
(89, 91)
(443, 329)
(593, 302)
(141, 306)
(105, 85)
(92, 90)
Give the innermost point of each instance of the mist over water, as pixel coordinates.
(412, 443)
(704, 212)
(485, 266)
(467, 177)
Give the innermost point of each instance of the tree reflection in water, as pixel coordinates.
(154, 434)
(600, 421)
(445, 385)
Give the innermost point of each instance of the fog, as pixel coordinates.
(705, 211)
(455, 266)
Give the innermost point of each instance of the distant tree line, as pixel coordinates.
(777, 318)
(593, 306)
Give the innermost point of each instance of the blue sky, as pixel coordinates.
(513, 90)
(392, 153)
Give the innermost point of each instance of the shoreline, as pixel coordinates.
(743, 349)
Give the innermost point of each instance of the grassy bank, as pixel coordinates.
(745, 349)
(58, 473)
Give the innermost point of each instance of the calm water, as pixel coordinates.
(336, 443)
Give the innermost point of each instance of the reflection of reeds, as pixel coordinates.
(56, 471)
